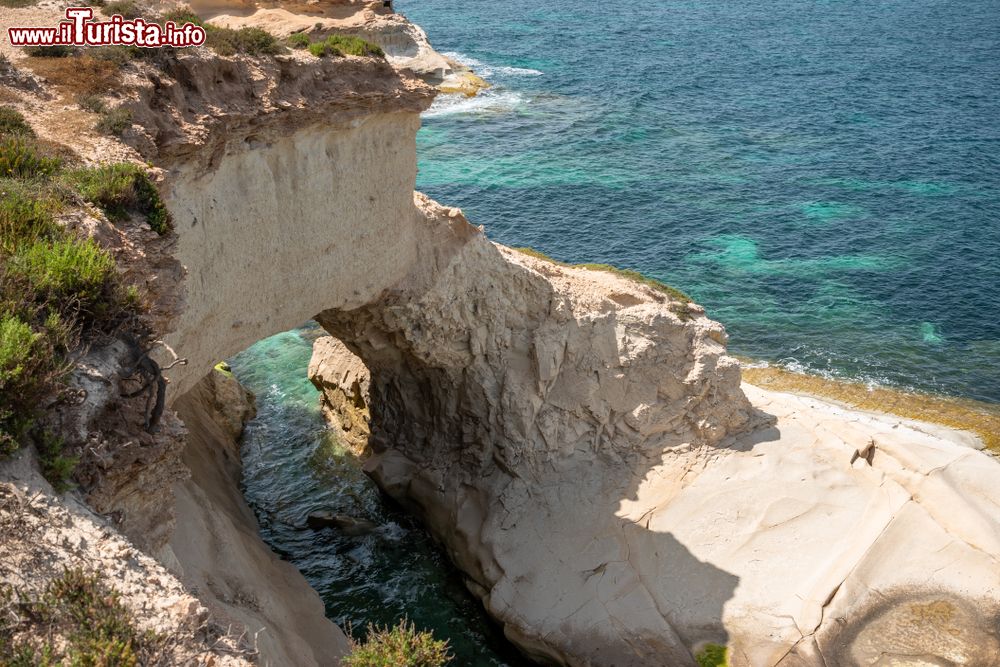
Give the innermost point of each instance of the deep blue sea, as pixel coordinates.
(823, 176)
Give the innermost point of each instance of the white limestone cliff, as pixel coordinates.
(579, 442)
(587, 457)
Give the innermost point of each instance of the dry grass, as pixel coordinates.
(81, 75)
(980, 418)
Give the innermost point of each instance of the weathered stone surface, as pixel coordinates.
(586, 455)
(405, 44)
(344, 382)
(216, 547)
(341, 522)
(579, 444)
(514, 403)
(43, 534)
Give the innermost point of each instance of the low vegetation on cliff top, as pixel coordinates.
(336, 45)
(228, 41)
(58, 290)
(99, 70)
(674, 293)
(399, 646)
(87, 78)
(78, 621)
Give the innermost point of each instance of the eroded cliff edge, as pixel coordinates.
(582, 446)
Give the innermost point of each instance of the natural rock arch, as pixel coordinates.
(495, 374)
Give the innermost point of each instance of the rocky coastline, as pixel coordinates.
(577, 438)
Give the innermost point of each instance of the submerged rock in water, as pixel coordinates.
(342, 522)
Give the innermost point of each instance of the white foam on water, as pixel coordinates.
(468, 61)
(514, 71)
(392, 531)
(485, 102)
(487, 70)
(869, 379)
(493, 100)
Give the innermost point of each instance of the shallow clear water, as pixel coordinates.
(822, 175)
(293, 465)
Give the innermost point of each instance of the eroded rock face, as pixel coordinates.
(43, 534)
(514, 403)
(405, 44)
(330, 207)
(216, 547)
(580, 443)
(582, 447)
(344, 381)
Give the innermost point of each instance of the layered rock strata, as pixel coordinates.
(405, 44)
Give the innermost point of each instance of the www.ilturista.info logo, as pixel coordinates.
(81, 30)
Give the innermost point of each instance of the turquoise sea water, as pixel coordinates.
(822, 175)
(294, 464)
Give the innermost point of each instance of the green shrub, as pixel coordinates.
(118, 54)
(354, 46)
(249, 41)
(120, 189)
(400, 646)
(75, 272)
(127, 8)
(114, 122)
(227, 41)
(20, 157)
(17, 343)
(182, 15)
(56, 467)
(91, 103)
(78, 621)
(53, 51)
(25, 367)
(26, 214)
(321, 50)
(57, 290)
(345, 45)
(298, 40)
(713, 655)
(12, 122)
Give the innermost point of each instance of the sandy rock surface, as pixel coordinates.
(219, 554)
(42, 533)
(591, 463)
(344, 382)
